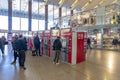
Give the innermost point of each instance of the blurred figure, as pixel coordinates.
(37, 45)
(21, 48)
(119, 42)
(57, 45)
(14, 45)
(30, 44)
(115, 42)
(89, 43)
(33, 47)
(2, 44)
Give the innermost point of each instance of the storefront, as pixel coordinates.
(102, 37)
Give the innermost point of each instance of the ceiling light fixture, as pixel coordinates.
(74, 3)
(100, 3)
(86, 4)
(96, 6)
(115, 1)
(45, 1)
(60, 2)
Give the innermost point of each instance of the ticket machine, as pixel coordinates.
(66, 38)
(74, 43)
(46, 43)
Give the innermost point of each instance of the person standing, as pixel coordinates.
(14, 44)
(37, 45)
(2, 44)
(21, 48)
(115, 42)
(89, 43)
(57, 45)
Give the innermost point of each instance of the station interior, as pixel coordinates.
(74, 21)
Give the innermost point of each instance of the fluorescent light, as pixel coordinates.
(74, 3)
(87, 4)
(101, 2)
(115, 1)
(96, 6)
(60, 2)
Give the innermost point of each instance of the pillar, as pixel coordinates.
(71, 12)
(46, 17)
(9, 16)
(60, 16)
(100, 16)
(30, 15)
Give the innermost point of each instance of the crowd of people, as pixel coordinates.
(21, 44)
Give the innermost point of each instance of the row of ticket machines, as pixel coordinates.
(74, 44)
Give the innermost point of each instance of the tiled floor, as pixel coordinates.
(99, 65)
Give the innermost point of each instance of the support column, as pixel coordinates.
(46, 17)
(30, 15)
(60, 17)
(71, 13)
(9, 16)
(38, 14)
(100, 16)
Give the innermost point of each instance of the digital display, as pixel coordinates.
(64, 42)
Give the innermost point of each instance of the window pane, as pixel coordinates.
(24, 24)
(35, 25)
(41, 24)
(15, 23)
(4, 22)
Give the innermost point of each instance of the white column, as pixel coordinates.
(100, 16)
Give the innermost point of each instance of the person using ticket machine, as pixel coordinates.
(57, 45)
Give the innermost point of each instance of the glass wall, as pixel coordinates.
(37, 22)
(4, 22)
(24, 24)
(20, 15)
(4, 14)
(41, 24)
(15, 23)
(35, 26)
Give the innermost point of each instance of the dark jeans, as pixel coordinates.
(2, 49)
(37, 50)
(89, 46)
(15, 55)
(57, 54)
(21, 58)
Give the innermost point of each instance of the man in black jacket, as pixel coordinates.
(21, 48)
(57, 45)
(37, 45)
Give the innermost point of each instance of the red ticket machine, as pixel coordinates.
(66, 36)
(54, 34)
(79, 45)
(74, 43)
(46, 43)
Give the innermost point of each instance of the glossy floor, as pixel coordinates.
(99, 65)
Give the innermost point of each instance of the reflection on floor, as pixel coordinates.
(100, 65)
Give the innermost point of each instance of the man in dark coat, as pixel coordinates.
(21, 48)
(37, 45)
(57, 45)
